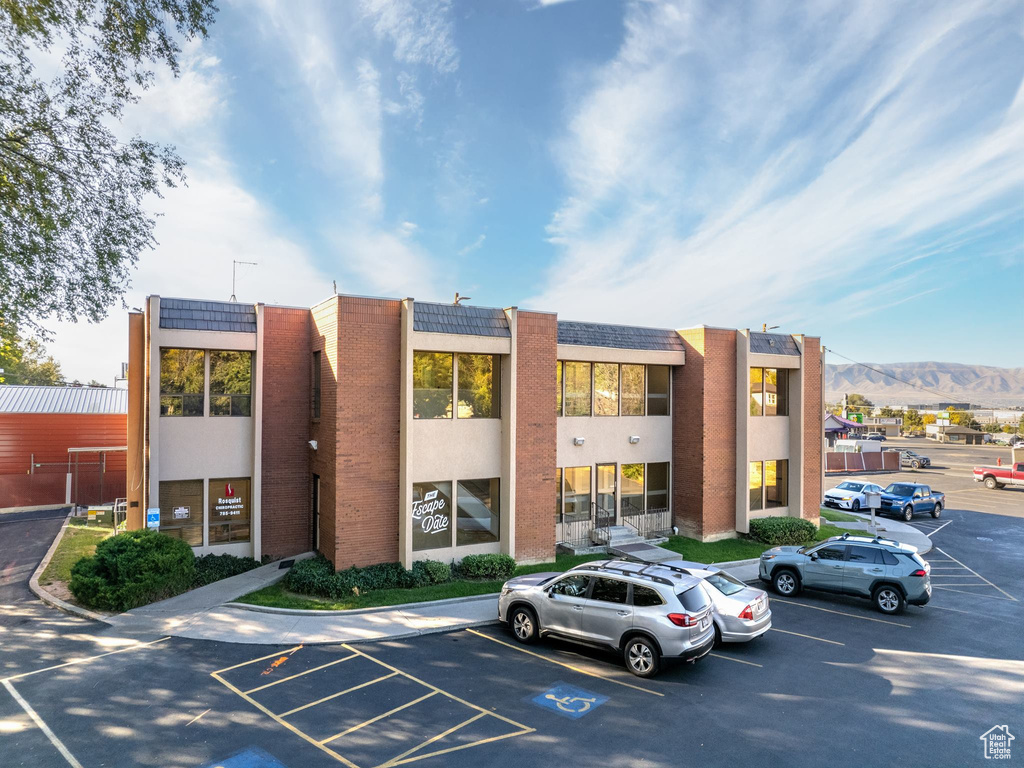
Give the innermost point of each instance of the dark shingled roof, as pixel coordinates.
(189, 315)
(452, 318)
(618, 336)
(773, 344)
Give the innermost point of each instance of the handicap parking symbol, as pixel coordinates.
(253, 757)
(569, 701)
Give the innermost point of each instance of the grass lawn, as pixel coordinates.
(839, 517)
(716, 551)
(79, 541)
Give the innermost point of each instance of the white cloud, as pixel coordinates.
(476, 244)
(420, 30)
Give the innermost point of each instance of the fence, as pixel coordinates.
(653, 522)
(72, 481)
(876, 461)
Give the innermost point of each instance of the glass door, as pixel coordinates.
(606, 490)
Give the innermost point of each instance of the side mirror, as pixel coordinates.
(814, 556)
(551, 593)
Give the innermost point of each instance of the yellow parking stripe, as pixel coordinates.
(466, 746)
(300, 674)
(809, 637)
(289, 652)
(398, 758)
(336, 695)
(841, 613)
(563, 664)
(976, 574)
(83, 661)
(372, 720)
(739, 661)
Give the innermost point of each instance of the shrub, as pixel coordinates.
(381, 576)
(133, 569)
(314, 576)
(780, 531)
(427, 572)
(211, 568)
(487, 567)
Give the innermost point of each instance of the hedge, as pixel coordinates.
(487, 567)
(211, 568)
(780, 531)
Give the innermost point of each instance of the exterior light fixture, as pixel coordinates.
(634, 439)
(313, 444)
(578, 440)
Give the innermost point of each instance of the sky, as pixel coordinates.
(850, 170)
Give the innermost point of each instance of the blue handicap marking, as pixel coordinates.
(253, 757)
(569, 701)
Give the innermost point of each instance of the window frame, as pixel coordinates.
(231, 396)
(590, 379)
(495, 511)
(495, 385)
(643, 388)
(658, 398)
(180, 396)
(618, 388)
(452, 386)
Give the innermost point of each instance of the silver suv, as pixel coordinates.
(646, 612)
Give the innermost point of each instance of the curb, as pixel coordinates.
(46, 597)
(358, 611)
(37, 508)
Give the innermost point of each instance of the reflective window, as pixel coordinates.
(431, 515)
(606, 488)
(181, 510)
(756, 478)
(776, 392)
(606, 389)
(631, 493)
(576, 494)
(558, 494)
(231, 383)
(229, 510)
(571, 586)
(757, 391)
(479, 386)
(432, 385)
(645, 597)
(478, 516)
(657, 485)
(695, 599)
(658, 381)
(182, 382)
(577, 389)
(831, 553)
(725, 583)
(609, 590)
(632, 396)
(864, 555)
(776, 483)
(558, 384)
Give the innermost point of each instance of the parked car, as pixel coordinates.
(997, 477)
(889, 573)
(741, 612)
(645, 612)
(904, 499)
(850, 495)
(913, 459)
(875, 436)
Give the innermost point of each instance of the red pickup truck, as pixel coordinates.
(997, 477)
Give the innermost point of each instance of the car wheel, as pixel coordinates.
(915, 464)
(937, 511)
(889, 600)
(908, 512)
(718, 636)
(786, 582)
(524, 625)
(642, 657)
(991, 484)
(856, 505)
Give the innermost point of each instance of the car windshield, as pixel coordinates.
(850, 486)
(725, 583)
(896, 489)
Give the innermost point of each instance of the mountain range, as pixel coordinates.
(928, 382)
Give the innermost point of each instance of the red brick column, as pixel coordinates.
(814, 408)
(688, 437)
(323, 461)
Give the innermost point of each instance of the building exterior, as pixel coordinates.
(378, 430)
(890, 426)
(43, 431)
(954, 434)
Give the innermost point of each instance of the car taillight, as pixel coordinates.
(746, 613)
(683, 619)
(920, 572)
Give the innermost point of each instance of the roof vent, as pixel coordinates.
(771, 342)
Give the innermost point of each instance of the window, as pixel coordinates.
(632, 493)
(769, 392)
(776, 483)
(609, 590)
(558, 494)
(182, 382)
(658, 378)
(645, 597)
(889, 559)
(229, 510)
(316, 385)
(606, 488)
(725, 583)
(831, 553)
(432, 385)
(231, 383)
(577, 494)
(864, 555)
(571, 586)
(479, 386)
(478, 517)
(577, 389)
(695, 599)
(757, 391)
(181, 510)
(756, 482)
(558, 381)
(431, 515)
(606, 389)
(632, 390)
(657, 485)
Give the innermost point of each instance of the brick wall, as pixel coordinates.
(688, 437)
(286, 511)
(537, 353)
(323, 461)
(367, 431)
(814, 407)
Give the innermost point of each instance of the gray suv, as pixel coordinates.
(889, 573)
(646, 612)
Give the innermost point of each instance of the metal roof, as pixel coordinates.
(190, 315)
(618, 336)
(457, 318)
(773, 344)
(15, 398)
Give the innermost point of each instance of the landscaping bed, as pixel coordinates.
(79, 541)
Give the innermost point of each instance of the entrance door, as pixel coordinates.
(606, 488)
(316, 513)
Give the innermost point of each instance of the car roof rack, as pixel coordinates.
(642, 573)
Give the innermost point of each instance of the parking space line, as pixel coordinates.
(373, 720)
(936, 530)
(465, 746)
(841, 613)
(289, 652)
(397, 760)
(975, 594)
(42, 725)
(83, 661)
(738, 661)
(336, 695)
(563, 664)
(977, 574)
(300, 674)
(809, 637)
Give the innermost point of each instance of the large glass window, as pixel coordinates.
(658, 383)
(776, 483)
(657, 485)
(479, 386)
(606, 389)
(606, 488)
(182, 382)
(576, 494)
(478, 512)
(316, 373)
(632, 490)
(757, 391)
(229, 510)
(558, 382)
(769, 392)
(577, 389)
(181, 510)
(231, 383)
(432, 385)
(431, 515)
(756, 484)
(632, 390)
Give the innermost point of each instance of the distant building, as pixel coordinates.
(954, 434)
(890, 426)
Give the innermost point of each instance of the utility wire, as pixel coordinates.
(891, 376)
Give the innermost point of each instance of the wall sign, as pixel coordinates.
(181, 513)
(431, 515)
(153, 518)
(229, 504)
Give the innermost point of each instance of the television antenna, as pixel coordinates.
(234, 268)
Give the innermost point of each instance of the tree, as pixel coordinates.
(962, 418)
(72, 223)
(890, 413)
(859, 401)
(26, 362)
(912, 419)
(928, 418)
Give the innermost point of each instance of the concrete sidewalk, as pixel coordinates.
(889, 529)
